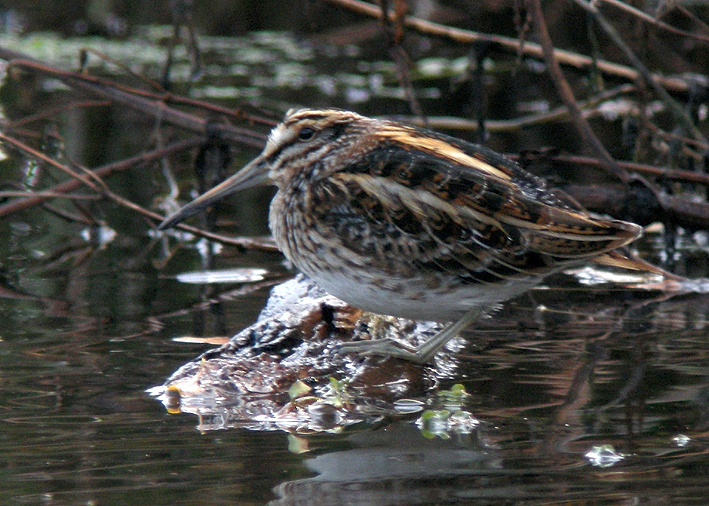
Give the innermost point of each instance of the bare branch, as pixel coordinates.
(528, 48)
(677, 111)
(567, 96)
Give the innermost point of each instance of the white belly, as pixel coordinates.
(413, 300)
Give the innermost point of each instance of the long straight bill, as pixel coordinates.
(253, 174)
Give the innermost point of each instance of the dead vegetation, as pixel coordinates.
(655, 173)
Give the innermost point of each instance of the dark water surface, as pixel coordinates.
(575, 407)
(583, 394)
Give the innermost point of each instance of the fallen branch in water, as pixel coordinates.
(93, 179)
(154, 106)
(100, 172)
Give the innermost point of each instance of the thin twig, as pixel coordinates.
(677, 110)
(394, 34)
(155, 217)
(691, 16)
(684, 176)
(72, 184)
(84, 218)
(633, 11)
(588, 109)
(146, 106)
(513, 44)
(48, 195)
(125, 68)
(46, 113)
(567, 95)
(41, 156)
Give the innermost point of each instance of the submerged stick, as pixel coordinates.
(100, 172)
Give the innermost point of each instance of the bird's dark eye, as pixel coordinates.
(306, 134)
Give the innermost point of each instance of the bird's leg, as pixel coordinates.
(420, 354)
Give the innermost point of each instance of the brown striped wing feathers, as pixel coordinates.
(442, 204)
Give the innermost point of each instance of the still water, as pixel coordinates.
(584, 392)
(568, 405)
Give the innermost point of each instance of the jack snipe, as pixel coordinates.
(411, 223)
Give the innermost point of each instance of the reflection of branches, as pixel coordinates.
(182, 15)
(228, 295)
(578, 398)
